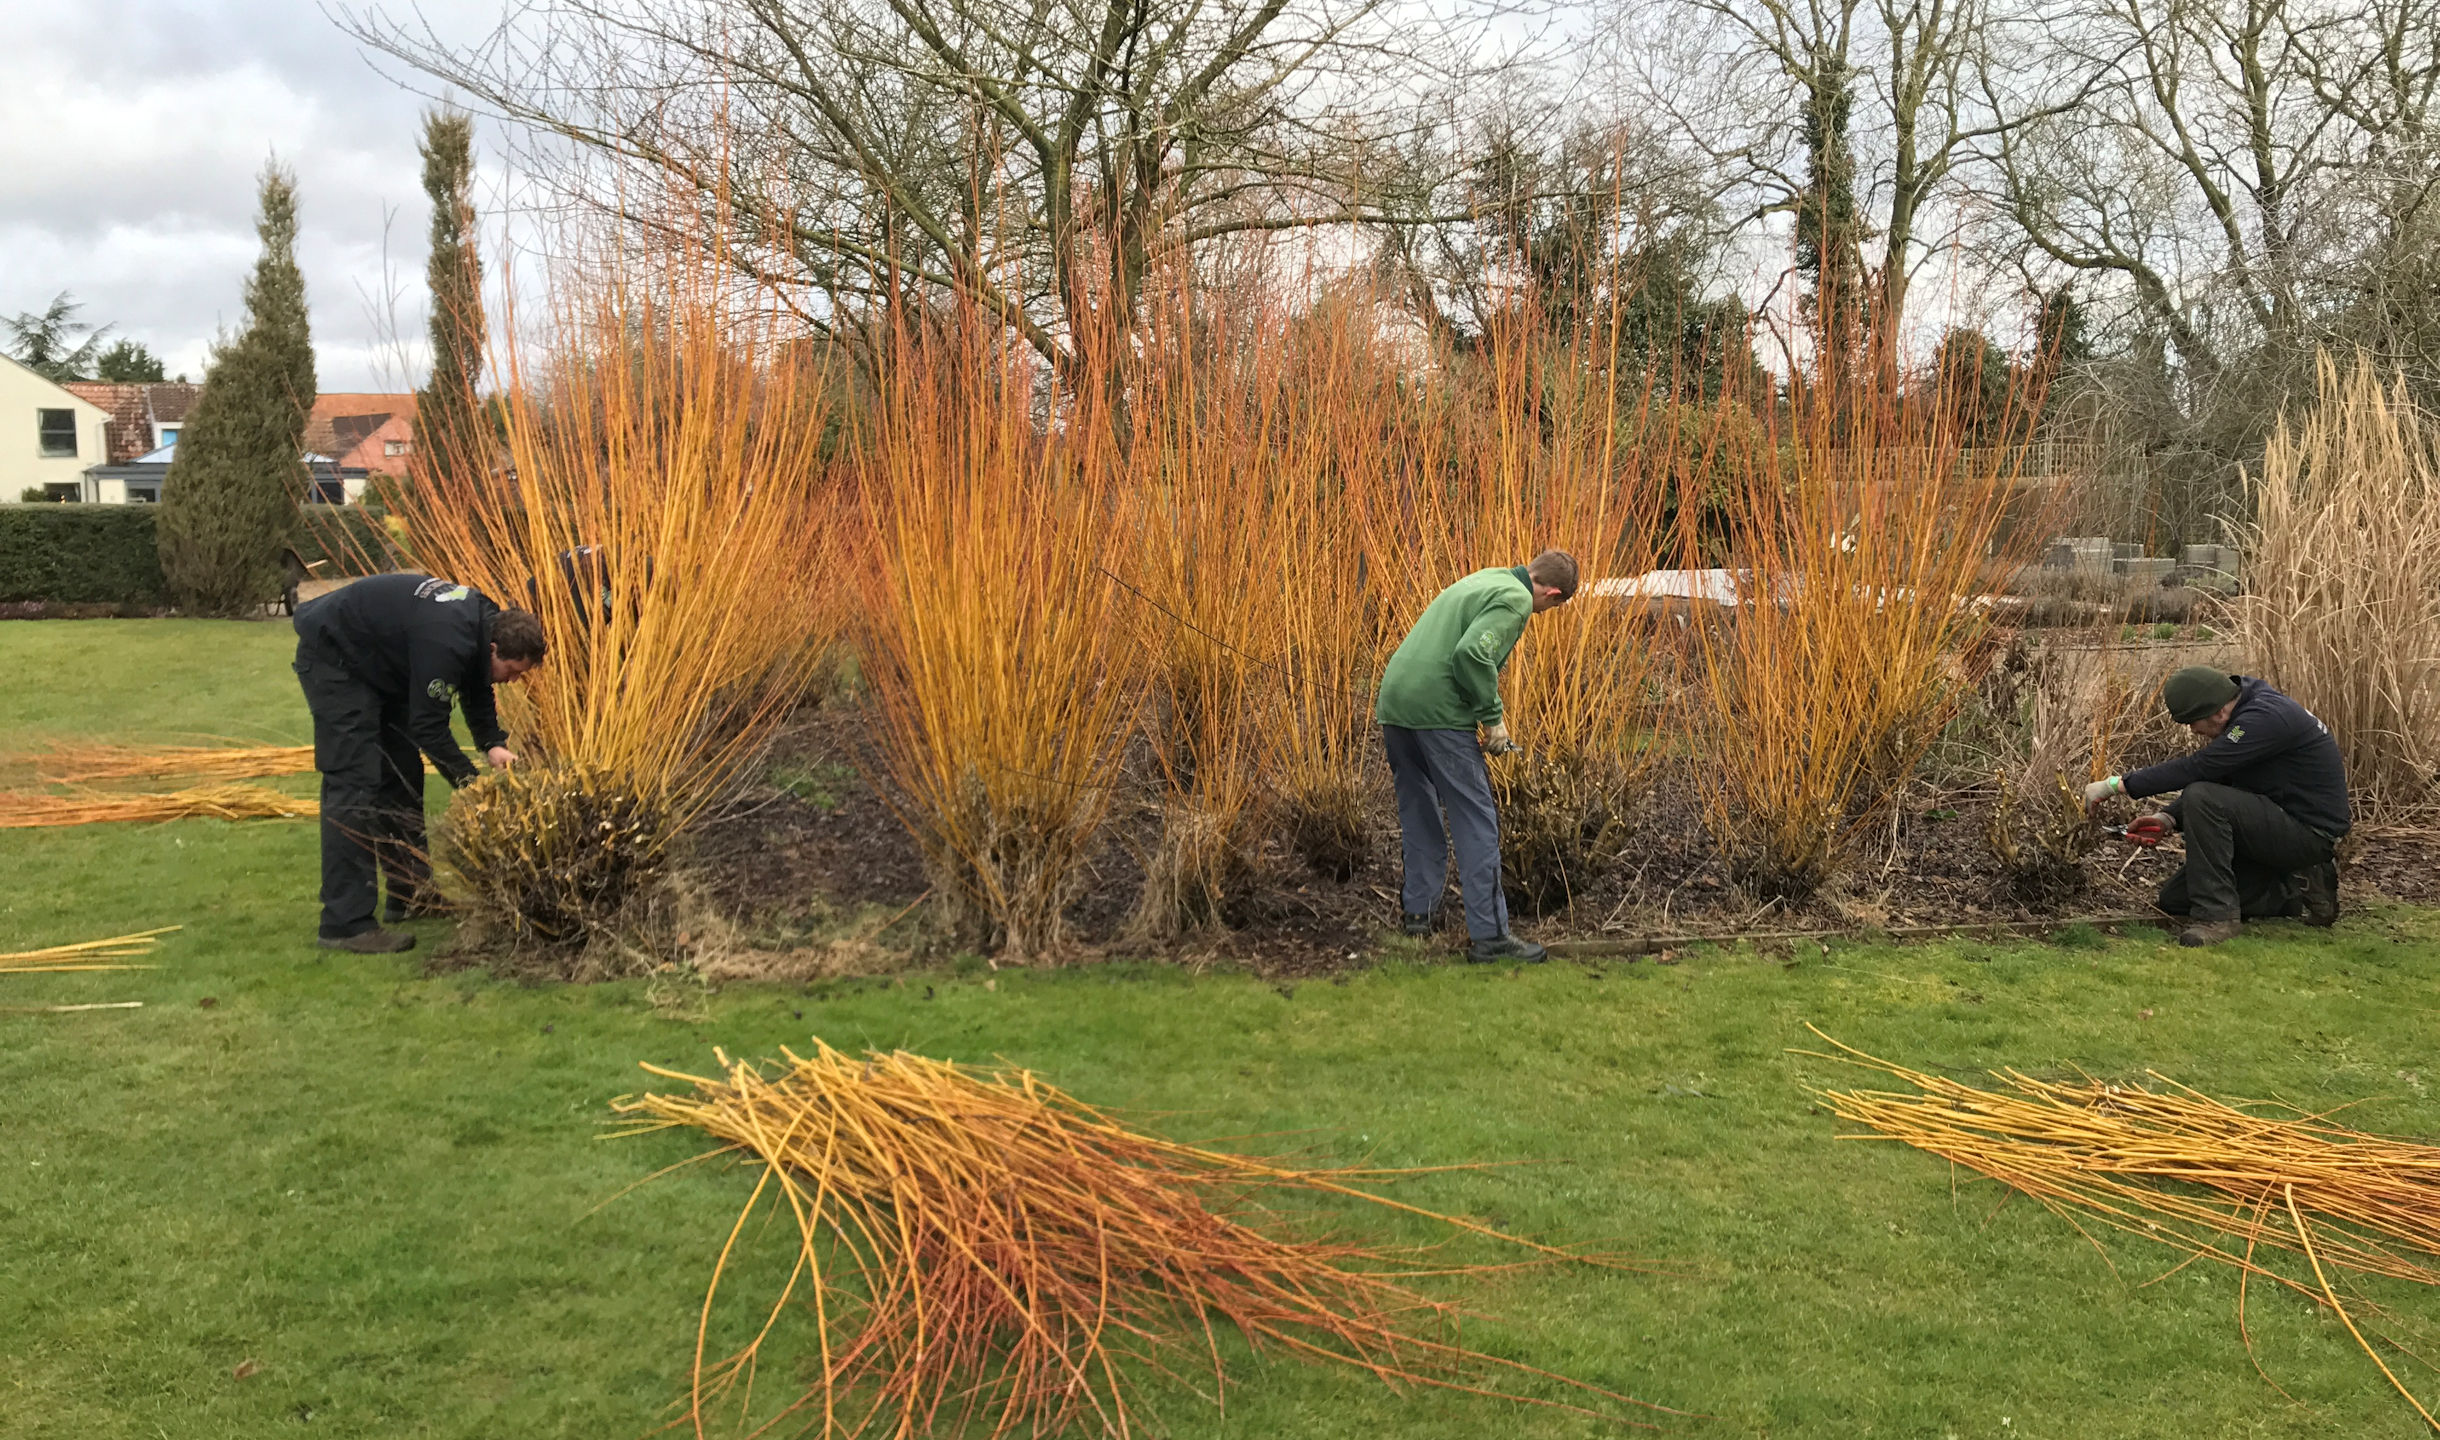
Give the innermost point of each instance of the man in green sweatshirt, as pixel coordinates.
(1441, 687)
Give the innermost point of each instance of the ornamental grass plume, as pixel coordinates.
(675, 425)
(2238, 1184)
(973, 1251)
(2342, 578)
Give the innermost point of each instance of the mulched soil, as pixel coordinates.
(778, 860)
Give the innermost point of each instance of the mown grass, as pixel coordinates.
(386, 1190)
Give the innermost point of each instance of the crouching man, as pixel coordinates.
(2263, 806)
(1441, 688)
(381, 660)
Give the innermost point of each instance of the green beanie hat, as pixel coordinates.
(2196, 691)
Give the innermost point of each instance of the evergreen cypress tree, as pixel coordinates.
(229, 504)
(450, 434)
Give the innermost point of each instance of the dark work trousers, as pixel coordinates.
(2242, 856)
(1437, 770)
(372, 797)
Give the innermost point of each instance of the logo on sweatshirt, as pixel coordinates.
(2236, 733)
(442, 691)
(442, 591)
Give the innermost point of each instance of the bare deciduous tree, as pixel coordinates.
(1036, 158)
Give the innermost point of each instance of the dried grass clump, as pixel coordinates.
(974, 1252)
(2342, 602)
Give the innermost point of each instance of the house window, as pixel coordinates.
(393, 447)
(58, 433)
(143, 492)
(169, 435)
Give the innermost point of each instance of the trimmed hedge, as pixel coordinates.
(80, 555)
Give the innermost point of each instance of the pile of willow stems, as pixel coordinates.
(24, 810)
(2174, 1166)
(85, 764)
(974, 1246)
(84, 954)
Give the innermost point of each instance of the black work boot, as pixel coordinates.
(2321, 894)
(1506, 947)
(2210, 932)
(1418, 926)
(370, 942)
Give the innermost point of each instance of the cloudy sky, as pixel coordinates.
(131, 133)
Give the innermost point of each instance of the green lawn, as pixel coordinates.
(387, 1191)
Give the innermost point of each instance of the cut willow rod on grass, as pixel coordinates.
(84, 955)
(2181, 1169)
(974, 1245)
(23, 811)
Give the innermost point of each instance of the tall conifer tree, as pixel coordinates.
(450, 433)
(229, 504)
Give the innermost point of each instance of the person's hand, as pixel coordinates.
(2101, 790)
(1496, 741)
(501, 757)
(2151, 829)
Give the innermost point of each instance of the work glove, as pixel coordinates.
(1496, 741)
(2101, 790)
(2150, 830)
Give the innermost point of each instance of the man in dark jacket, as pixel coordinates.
(381, 660)
(1439, 688)
(2263, 805)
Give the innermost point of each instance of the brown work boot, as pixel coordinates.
(2209, 932)
(2321, 894)
(370, 942)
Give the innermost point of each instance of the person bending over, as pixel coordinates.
(1439, 712)
(381, 660)
(2263, 806)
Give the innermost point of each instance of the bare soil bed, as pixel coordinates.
(784, 860)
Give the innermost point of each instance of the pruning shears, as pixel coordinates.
(2147, 831)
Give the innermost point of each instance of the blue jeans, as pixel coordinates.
(1437, 771)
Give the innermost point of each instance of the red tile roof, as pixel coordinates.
(128, 432)
(170, 402)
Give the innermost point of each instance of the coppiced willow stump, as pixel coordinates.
(555, 859)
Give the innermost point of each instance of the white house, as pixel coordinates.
(48, 437)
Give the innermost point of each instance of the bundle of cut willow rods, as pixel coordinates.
(973, 1246)
(2236, 1184)
(25, 811)
(84, 764)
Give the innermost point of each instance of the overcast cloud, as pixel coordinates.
(131, 135)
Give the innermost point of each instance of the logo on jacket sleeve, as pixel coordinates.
(2236, 733)
(442, 591)
(442, 691)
